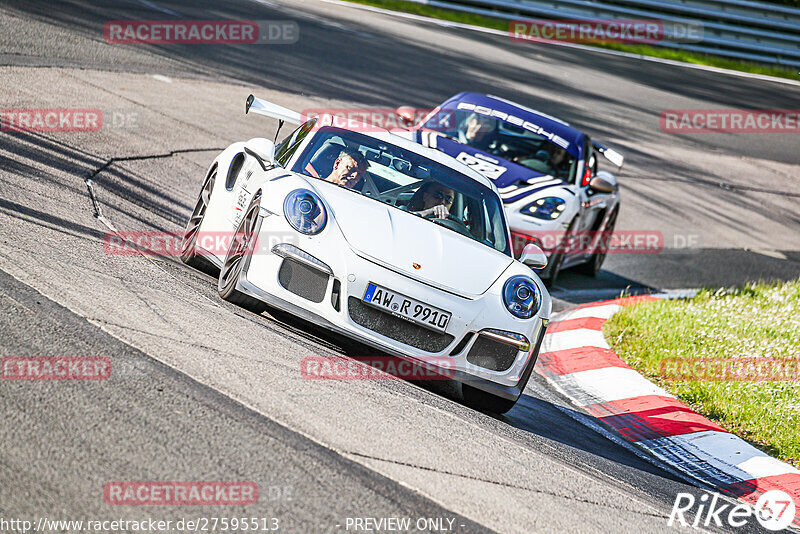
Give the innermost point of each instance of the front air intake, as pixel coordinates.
(302, 280)
(491, 354)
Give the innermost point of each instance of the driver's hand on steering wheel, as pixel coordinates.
(439, 211)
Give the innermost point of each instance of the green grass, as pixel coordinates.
(645, 50)
(790, 3)
(757, 321)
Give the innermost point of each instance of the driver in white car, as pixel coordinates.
(348, 169)
(433, 199)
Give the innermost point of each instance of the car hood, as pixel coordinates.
(412, 245)
(506, 173)
(513, 181)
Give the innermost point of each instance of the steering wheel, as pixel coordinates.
(451, 222)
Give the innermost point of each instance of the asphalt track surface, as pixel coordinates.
(203, 390)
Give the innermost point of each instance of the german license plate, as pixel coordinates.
(406, 307)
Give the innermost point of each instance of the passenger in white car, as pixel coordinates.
(432, 199)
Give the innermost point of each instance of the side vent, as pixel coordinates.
(336, 295)
(233, 170)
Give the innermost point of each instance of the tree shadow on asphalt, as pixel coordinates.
(334, 63)
(532, 415)
(537, 416)
(50, 221)
(344, 60)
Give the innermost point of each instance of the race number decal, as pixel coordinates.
(489, 170)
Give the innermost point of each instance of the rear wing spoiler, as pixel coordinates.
(262, 107)
(611, 155)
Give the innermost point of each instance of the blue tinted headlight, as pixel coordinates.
(305, 212)
(548, 208)
(521, 297)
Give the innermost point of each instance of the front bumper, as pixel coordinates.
(345, 275)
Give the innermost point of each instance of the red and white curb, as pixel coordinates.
(576, 359)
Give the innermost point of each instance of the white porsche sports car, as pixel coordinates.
(411, 256)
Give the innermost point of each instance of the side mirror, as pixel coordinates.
(604, 182)
(262, 149)
(611, 155)
(614, 157)
(407, 115)
(533, 256)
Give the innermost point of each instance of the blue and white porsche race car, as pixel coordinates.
(545, 170)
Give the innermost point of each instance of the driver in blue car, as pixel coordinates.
(432, 199)
(559, 162)
(479, 131)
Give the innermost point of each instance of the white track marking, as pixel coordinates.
(574, 339)
(726, 452)
(771, 253)
(601, 312)
(612, 384)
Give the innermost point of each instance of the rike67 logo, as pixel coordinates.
(775, 510)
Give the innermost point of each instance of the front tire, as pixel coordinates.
(592, 267)
(481, 400)
(189, 254)
(241, 245)
(557, 259)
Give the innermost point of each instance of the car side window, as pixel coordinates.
(286, 148)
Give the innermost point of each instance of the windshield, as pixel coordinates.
(505, 140)
(407, 181)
